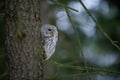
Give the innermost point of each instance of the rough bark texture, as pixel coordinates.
(23, 44)
(44, 12)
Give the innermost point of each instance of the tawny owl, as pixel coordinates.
(49, 35)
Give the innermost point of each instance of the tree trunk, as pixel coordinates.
(23, 41)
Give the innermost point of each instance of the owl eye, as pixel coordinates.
(49, 30)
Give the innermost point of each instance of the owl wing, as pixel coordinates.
(43, 43)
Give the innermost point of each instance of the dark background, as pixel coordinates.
(97, 49)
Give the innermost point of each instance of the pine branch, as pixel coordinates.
(63, 5)
(79, 42)
(99, 27)
(84, 68)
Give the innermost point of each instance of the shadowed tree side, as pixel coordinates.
(23, 42)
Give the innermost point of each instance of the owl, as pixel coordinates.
(49, 35)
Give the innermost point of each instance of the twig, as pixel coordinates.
(99, 27)
(84, 68)
(3, 75)
(63, 5)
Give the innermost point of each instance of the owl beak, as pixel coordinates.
(52, 33)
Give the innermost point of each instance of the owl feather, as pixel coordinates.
(49, 35)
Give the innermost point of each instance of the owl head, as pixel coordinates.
(48, 31)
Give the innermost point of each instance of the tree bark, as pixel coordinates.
(23, 41)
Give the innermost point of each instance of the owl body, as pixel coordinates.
(49, 35)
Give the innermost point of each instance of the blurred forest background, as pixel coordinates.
(83, 51)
